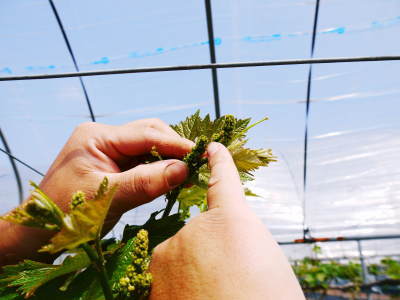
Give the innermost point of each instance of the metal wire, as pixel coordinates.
(13, 166)
(213, 59)
(213, 67)
(309, 81)
(71, 53)
(20, 161)
(204, 66)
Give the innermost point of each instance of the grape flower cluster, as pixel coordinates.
(136, 282)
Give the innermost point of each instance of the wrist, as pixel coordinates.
(21, 242)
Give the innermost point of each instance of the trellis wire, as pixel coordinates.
(13, 157)
(213, 66)
(205, 66)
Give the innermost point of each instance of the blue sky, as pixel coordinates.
(354, 179)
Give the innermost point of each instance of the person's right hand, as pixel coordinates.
(224, 253)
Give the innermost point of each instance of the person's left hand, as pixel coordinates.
(96, 150)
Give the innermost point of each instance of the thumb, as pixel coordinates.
(147, 182)
(225, 188)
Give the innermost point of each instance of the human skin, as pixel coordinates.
(92, 152)
(224, 253)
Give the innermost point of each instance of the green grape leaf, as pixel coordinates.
(85, 221)
(247, 160)
(80, 288)
(192, 196)
(159, 229)
(194, 126)
(93, 291)
(119, 261)
(39, 211)
(232, 133)
(249, 193)
(29, 275)
(8, 293)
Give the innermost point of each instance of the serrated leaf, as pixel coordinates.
(249, 193)
(117, 264)
(190, 127)
(84, 223)
(192, 196)
(7, 293)
(135, 248)
(247, 160)
(159, 229)
(244, 177)
(195, 126)
(29, 275)
(39, 211)
(79, 289)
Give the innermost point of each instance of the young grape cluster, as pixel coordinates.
(137, 280)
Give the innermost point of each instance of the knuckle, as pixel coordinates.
(85, 127)
(150, 135)
(142, 185)
(156, 123)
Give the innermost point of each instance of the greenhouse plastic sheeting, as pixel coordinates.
(353, 161)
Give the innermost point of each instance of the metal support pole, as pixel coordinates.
(364, 270)
(213, 59)
(14, 167)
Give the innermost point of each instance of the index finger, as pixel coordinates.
(137, 139)
(225, 188)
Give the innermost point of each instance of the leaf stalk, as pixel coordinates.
(98, 260)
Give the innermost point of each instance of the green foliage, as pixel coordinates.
(388, 267)
(108, 269)
(193, 196)
(317, 275)
(391, 268)
(159, 229)
(85, 221)
(316, 249)
(229, 131)
(39, 211)
(9, 294)
(29, 275)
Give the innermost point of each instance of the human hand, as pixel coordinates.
(92, 152)
(224, 253)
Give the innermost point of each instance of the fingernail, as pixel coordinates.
(176, 173)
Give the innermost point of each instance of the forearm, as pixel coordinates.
(20, 242)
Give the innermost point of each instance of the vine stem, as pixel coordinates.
(97, 259)
(171, 198)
